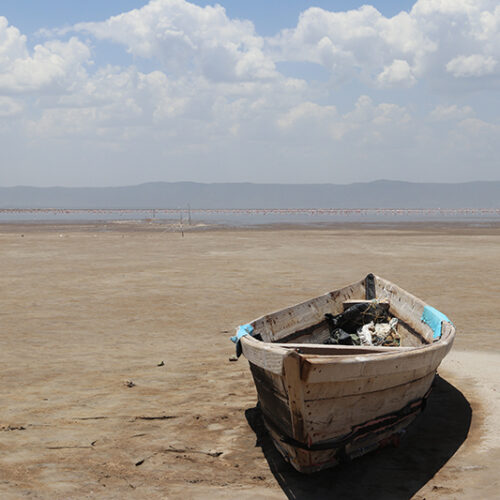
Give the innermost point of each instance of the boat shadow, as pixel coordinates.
(389, 473)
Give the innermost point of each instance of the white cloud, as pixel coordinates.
(428, 42)
(474, 128)
(453, 112)
(398, 73)
(372, 123)
(10, 107)
(110, 105)
(398, 51)
(473, 65)
(184, 37)
(52, 66)
(308, 112)
(366, 122)
(12, 43)
(475, 139)
(358, 41)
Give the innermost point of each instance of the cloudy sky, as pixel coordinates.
(128, 91)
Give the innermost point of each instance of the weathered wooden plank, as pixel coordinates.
(408, 336)
(315, 334)
(298, 458)
(273, 403)
(404, 306)
(330, 418)
(340, 350)
(319, 336)
(339, 389)
(293, 383)
(275, 408)
(280, 324)
(447, 332)
(325, 368)
(276, 383)
(354, 302)
(267, 356)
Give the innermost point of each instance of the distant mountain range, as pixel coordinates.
(378, 194)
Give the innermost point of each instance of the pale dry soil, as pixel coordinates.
(114, 353)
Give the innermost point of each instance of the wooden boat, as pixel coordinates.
(326, 403)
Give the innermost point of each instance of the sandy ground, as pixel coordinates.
(115, 372)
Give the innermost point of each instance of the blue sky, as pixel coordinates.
(261, 91)
(273, 15)
(269, 16)
(31, 15)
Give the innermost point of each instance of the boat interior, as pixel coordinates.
(307, 328)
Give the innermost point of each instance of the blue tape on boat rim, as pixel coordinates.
(434, 318)
(241, 332)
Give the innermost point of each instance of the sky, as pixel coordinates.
(279, 91)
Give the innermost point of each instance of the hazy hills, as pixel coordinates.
(378, 194)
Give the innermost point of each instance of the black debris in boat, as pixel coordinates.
(367, 323)
(341, 337)
(357, 316)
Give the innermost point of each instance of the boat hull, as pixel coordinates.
(341, 425)
(325, 404)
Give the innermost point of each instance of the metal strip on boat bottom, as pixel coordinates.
(374, 426)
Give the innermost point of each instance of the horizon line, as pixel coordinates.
(18, 186)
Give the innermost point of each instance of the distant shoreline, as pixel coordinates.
(172, 226)
(182, 196)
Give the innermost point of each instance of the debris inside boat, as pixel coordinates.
(364, 323)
